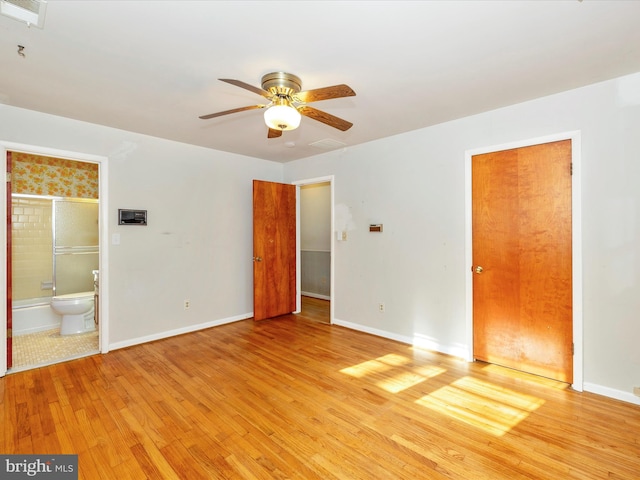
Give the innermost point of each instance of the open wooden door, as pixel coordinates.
(9, 266)
(522, 254)
(274, 249)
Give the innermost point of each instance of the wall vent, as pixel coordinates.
(30, 12)
(328, 144)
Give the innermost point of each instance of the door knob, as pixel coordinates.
(478, 269)
(257, 259)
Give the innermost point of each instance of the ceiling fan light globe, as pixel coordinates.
(282, 117)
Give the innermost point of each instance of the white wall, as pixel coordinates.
(415, 185)
(315, 217)
(198, 244)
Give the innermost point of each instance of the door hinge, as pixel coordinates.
(571, 168)
(573, 349)
(8, 176)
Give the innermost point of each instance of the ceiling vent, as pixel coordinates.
(328, 144)
(30, 12)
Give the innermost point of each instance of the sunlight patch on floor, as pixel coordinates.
(481, 404)
(394, 359)
(394, 383)
(405, 380)
(380, 364)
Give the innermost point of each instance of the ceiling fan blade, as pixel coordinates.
(326, 93)
(235, 110)
(325, 117)
(273, 133)
(246, 86)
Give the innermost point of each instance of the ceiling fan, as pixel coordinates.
(287, 102)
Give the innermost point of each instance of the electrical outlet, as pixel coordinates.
(187, 304)
(381, 307)
(636, 391)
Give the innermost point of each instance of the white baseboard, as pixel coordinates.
(178, 331)
(315, 295)
(372, 331)
(427, 343)
(612, 393)
(416, 341)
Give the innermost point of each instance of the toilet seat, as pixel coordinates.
(69, 297)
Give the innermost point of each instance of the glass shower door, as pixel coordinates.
(76, 245)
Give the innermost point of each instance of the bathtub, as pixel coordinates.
(33, 315)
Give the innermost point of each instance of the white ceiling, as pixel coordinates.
(152, 66)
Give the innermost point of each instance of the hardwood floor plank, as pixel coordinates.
(295, 398)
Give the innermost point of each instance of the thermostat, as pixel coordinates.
(132, 217)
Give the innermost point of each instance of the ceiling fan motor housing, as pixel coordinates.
(281, 84)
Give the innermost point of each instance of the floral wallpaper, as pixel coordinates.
(38, 175)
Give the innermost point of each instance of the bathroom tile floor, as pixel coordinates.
(48, 347)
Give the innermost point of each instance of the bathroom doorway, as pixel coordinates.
(53, 249)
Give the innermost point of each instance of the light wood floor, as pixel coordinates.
(295, 398)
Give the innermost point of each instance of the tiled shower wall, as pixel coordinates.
(32, 244)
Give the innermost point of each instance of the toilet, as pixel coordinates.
(77, 310)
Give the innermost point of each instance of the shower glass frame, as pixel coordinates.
(62, 253)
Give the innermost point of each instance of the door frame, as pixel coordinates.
(576, 241)
(103, 307)
(300, 183)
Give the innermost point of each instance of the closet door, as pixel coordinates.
(522, 254)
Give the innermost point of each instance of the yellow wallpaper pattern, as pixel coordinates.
(38, 175)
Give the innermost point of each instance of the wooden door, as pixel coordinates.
(9, 266)
(522, 283)
(274, 249)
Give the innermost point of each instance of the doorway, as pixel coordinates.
(38, 316)
(54, 252)
(315, 247)
(315, 244)
(521, 341)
